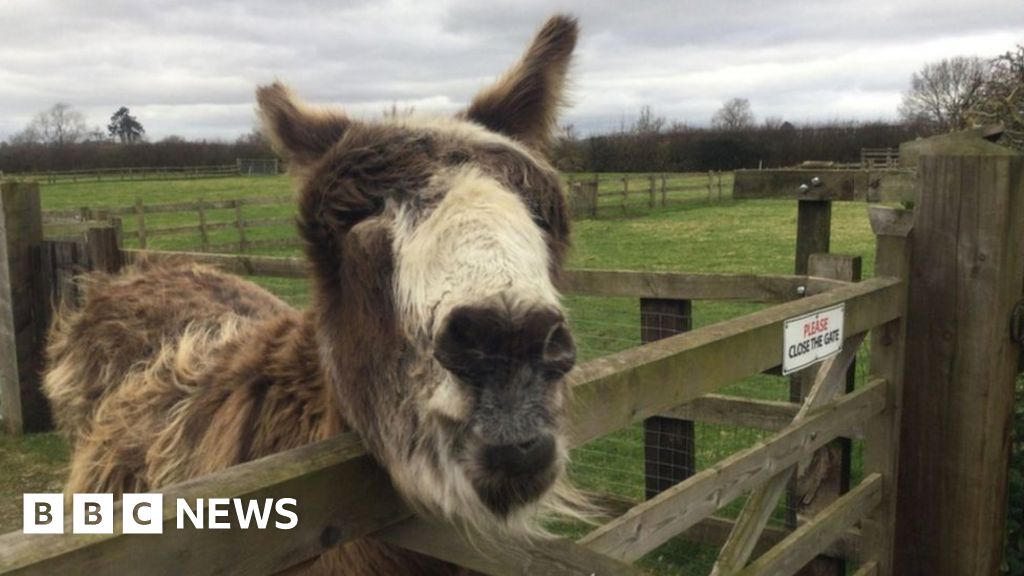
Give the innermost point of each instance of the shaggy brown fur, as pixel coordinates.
(173, 370)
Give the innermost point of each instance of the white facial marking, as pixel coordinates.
(478, 243)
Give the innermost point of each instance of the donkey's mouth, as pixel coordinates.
(512, 475)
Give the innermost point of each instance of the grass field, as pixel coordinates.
(688, 235)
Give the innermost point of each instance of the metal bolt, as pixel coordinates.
(801, 290)
(815, 181)
(804, 188)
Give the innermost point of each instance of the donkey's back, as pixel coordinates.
(139, 345)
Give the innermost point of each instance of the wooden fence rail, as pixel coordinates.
(591, 196)
(925, 331)
(612, 392)
(129, 173)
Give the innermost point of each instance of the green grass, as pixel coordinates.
(689, 234)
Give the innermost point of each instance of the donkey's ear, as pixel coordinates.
(296, 130)
(523, 103)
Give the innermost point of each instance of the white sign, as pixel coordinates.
(812, 338)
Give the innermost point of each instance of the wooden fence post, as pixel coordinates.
(709, 186)
(203, 232)
(813, 231)
(813, 234)
(961, 362)
(22, 322)
(892, 228)
(663, 186)
(828, 476)
(102, 249)
(243, 244)
(140, 221)
(669, 448)
(625, 193)
(650, 201)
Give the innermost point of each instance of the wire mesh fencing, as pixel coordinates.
(635, 463)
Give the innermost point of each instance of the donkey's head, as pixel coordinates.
(435, 245)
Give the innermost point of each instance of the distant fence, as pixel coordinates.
(606, 194)
(242, 166)
(879, 158)
(234, 226)
(211, 217)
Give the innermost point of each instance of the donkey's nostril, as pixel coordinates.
(522, 458)
(525, 446)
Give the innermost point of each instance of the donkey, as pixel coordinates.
(436, 332)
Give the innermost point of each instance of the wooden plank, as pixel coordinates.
(882, 436)
(10, 387)
(552, 558)
(745, 287)
(204, 230)
(960, 363)
(891, 186)
(713, 531)
(140, 221)
(655, 521)
(736, 411)
(868, 569)
(275, 243)
(828, 474)
(887, 221)
(262, 222)
(843, 185)
(813, 236)
(813, 231)
(243, 245)
(102, 250)
(171, 230)
(24, 236)
(686, 286)
(619, 389)
(341, 494)
(669, 451)
(62, 261)
(829, 382)
(809, 540)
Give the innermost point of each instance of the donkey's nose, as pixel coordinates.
(482, 344)
(521, 459)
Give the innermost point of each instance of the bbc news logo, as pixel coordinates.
(143, 513)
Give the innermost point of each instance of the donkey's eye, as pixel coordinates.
(559, 355)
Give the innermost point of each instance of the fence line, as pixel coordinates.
(130, 173)
(612, 392)
(585, 200)
(597, 194)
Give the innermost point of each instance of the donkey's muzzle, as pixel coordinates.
(489, 346)
(523, 458)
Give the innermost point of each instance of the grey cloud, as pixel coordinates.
(189, 67)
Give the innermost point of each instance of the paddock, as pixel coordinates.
(934, 322)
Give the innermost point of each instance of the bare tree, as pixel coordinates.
(60, 124)
(1002, 97)
(735, 114)
(773, 122)
(27, 136)
(647, 122)
(943, 92)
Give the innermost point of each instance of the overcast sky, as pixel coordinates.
(189, 67)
